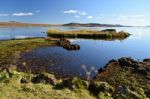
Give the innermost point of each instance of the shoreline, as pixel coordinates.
(119, 71)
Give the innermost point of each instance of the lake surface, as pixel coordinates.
(92, 53)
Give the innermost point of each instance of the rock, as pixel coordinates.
(125, 92)
(146, 60)
(97, 87)
(101, 70)
(74, 83)
(129, 73)
(113, 60)
(67, 44)
(142, 71)
(43, 78)
(128, 62)
(147, 92)
(23, 80)
(109, 30)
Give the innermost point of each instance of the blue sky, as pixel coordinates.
(126, 12)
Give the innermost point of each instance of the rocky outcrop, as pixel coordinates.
(99, 88)
(72, 83)
(67, 44)
(44, 78)
(127, 76)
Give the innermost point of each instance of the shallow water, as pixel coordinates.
(92, 53)
(22, 32)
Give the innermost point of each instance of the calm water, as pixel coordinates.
(15, 33)
(92, 53)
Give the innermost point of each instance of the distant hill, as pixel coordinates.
(20, 24)
(93, 25)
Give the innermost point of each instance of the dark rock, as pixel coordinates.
(41, 78)
(142, 71)
(147, 92)
(101, 70)
(128, 62)
(113, 60)
(23, 80)
(97, 87)
(146, 60)
(67, 44)
(125, 92)
(109, 30)
(74, 83)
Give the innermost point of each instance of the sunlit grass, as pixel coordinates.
(88, 34)
(9, 47)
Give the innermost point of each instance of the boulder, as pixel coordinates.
(97, 87)
(73, 83)
(23, 80)
(43, 78)
(125, 93)
(146, 60)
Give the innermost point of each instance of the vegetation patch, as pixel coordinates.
(129, 77)
(9, 47)
(91, 34)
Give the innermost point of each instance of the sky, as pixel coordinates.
(125, 12)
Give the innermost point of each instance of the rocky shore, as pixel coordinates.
(130, 78)
(124, 78)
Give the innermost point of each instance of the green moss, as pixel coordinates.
(15, 90)
(8, 48)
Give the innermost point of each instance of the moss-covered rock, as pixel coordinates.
(97, 88)
(73, 83)
(4, 75)
(44, 78)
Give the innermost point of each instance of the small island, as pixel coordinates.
(89, 34)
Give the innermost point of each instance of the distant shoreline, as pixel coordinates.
(21, 24)
(18, 24)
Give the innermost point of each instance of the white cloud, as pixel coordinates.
(71, 11)
(77, 16)
(82, 13)
(77, 12)
(90, 17)
(23, 14)
(3, 15)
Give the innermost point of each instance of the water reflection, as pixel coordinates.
(93, 52)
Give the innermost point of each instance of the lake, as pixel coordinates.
(92, 53)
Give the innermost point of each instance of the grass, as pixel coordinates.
(88, 34)
(11, 88)
(8, 48)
